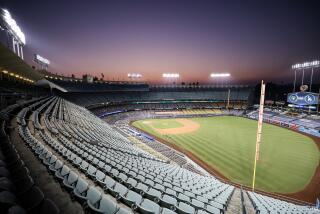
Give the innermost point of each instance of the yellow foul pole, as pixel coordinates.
(228, 99)
(259, 132)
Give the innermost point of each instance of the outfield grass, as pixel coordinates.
(288, 159)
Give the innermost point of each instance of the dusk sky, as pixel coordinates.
(252, 40)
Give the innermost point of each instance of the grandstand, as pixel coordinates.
(69, 146)
(150, 95)
(105, 171)
(302, 122)
(89, 154)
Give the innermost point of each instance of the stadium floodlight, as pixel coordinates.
(13, 27)
(305, 65)
(134, 75)
(302, 67)
(219, 75)
(41, 59)
(170, 75)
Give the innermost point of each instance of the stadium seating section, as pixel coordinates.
(87, 99)
(302, 122)
(101, 169)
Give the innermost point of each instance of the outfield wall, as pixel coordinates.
(310, 131)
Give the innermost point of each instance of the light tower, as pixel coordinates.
(8, 24)
(303, 67)
(41, 61)
(220, 76)
(134, 76)
(171, 77)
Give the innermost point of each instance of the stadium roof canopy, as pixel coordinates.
(47, 84)
(13, 64)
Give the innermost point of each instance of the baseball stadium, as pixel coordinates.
(158, 145)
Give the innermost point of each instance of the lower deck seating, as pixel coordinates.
(18, 192)
(265, 204)
(104, 171)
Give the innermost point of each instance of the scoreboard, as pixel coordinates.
(303, 98)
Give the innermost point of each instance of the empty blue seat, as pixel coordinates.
(159, 187)
(131, 198)
(61, 174)
(93, 197)
(184, 208)
(153, 194)
(109, 182)
(167, 211)
(77, 161)
(91, 171)
(107, 169)
(117, 190)
(105, 205)
(171, 192)
(183, 197)
(212, 209)
(205, 212)
(80, 189)
(84, 166)
(197, 204)
(46, 157)
(101, 164)
(56, 166)
(114, 173)
(148, 207)
(70, 181)
(99, 177)
(168, 201)
(122, 177)
(130, 183)
(141, 188)
(43, 154)
(95, 161)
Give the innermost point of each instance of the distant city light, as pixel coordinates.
(12, 26)
(134, 75)
(170, 75)
(219, 75)
(313, 64)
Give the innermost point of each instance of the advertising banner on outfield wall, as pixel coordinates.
(313, 132)
(303, 98)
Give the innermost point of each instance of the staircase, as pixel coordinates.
(247, 203)
(235, 204)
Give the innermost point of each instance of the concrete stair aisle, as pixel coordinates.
(234, 206)
(247, 203)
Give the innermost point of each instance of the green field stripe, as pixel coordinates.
(215, 153)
